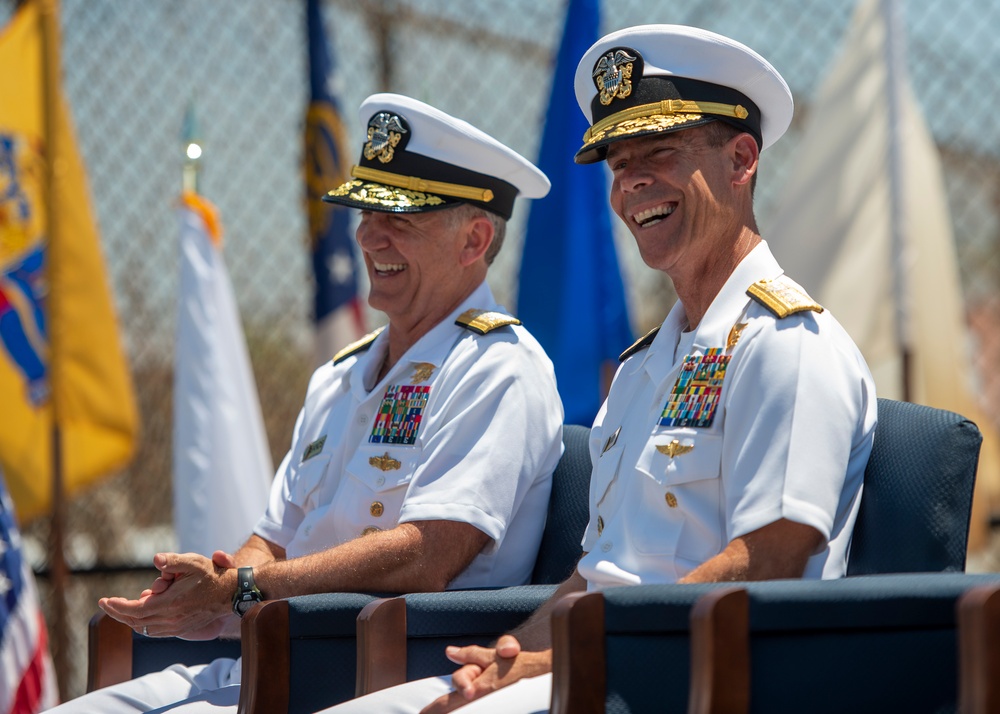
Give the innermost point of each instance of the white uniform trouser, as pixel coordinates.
(529, 696)
(213, 687)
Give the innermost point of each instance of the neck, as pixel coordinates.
(403, 334)
(698, 287)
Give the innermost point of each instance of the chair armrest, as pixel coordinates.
(720, 652)
(109, 652)
(979, 650)
(265, 649)
(381, 632)
(579, 675)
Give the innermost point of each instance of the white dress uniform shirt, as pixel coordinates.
(478, 426)
(787, 436)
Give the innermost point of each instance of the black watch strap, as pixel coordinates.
(247, 592)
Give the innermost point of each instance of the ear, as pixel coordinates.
(744, 153)
(477, 236)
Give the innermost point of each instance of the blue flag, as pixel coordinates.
(334, 264)
(570, 294)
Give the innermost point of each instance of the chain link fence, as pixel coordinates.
(131, 70)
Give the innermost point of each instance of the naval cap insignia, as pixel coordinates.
(384, 462)
(674, 448)
(613, 74)
(385, 131)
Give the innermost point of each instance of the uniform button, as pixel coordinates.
(376, 508)
(370, 529)
(380, 480)
(607, 546)
(362, 418)
(671, 499)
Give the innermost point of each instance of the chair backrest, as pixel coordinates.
(878, 643)
(917, 498)
(560, 548)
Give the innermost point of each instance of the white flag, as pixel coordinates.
(222, 463)
(857, 177)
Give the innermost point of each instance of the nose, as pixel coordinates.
(371, 234)
(632, 177)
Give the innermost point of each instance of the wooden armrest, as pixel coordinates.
(109, 652)
(266, 656)
(720, 653)
(979, 650)
(579, 675)
(381, 638)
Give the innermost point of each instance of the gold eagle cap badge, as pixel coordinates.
(613, 74)
(674, 448)
(385, 131)
(384, 462)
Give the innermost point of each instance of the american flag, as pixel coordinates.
(27, 679)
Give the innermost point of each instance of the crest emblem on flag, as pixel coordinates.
(23, 336)
(385, 131)
(613, 74)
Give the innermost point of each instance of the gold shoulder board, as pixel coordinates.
(642, 343)
(355, 347)
(782, 297)
(483, 321)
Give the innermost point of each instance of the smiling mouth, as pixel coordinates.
(652, 216)
(388, 268)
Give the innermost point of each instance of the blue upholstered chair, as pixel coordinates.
(914, 516)
(881, 643)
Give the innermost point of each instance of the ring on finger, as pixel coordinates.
(145, 631)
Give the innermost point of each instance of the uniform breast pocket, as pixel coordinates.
(308, 478)
(376, 484)
(680, 505)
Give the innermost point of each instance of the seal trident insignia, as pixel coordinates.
(384, 132)
(612, 74)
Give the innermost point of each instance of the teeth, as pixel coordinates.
(389, 267)
(652, 216)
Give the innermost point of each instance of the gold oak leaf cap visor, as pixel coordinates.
(653, 79)
(417, 158)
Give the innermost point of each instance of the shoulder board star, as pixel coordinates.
(484, 321)
(642, 343)
(782, 297)
(355, 347)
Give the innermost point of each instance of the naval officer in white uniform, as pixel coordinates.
(734, 439)
(423, 455)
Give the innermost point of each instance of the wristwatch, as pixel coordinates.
(247, 593)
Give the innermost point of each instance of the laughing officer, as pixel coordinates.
(734, 438)
(423, 455)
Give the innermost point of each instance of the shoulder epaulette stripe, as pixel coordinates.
(782, 297)
(639, 344)
(484, 321)
(355, 347)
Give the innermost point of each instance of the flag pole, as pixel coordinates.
(193, 150)
(54, 169)
(895, 76)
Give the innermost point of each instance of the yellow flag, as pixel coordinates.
(60, 354)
